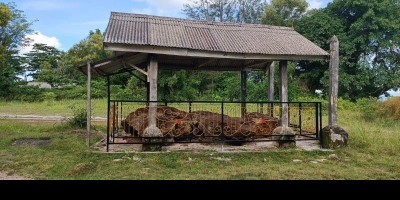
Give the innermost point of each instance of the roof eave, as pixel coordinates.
(207, 54)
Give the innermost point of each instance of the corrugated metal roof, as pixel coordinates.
(154, 31)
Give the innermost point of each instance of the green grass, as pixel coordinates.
(373, 153)
(61, 108)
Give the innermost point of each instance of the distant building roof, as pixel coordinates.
(153, 32)
(41, 85)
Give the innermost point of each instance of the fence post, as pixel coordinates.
(88, 104)
(108, 112)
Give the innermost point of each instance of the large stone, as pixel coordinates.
(334, 137)
(285, 137)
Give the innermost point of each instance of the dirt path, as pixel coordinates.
(5, 176)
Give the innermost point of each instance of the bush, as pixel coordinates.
(49, 96)
(29, 93)
(390, 108)
(79, 118)
(368, 108)
(78, 92)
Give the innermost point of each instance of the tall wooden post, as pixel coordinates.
(333, 81)
(152, 79)
(88, 104)
(333, 136)
(271, 85)
(284, 94)
(244, 92)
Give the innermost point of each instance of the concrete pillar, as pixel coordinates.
(152, 130)
(284, 93)
(284, 134)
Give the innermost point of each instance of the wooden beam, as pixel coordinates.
(88, 104)
(262, 64)
(138, 69)
(207, 54)
(333, 81)
(208, 68)
(200, 65)
(284, 94)
(152, 79)
(244, 92)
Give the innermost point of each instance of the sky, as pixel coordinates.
(63, 23)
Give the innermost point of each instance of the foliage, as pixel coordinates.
(49, 96)
(79, 117)
(5, 15)
(368, 106)
(390, 109)
(242, 11)
(77, 92)
(13, 29)
(89, 49)
(284, 12)
(29, 93)
(369, 46)
(42, 64)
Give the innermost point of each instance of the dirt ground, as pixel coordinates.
(5, 176)
(221, 148)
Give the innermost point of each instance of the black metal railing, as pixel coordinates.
(210, 121)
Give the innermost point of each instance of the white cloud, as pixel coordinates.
(161, 7)
(315, 4)
(40, 38)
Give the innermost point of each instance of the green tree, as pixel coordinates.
(88, 50)
(214, 85)
(284, 12)
(369, 40)
(42, 64)
(241, 11)
(13, 29)
(5, 15)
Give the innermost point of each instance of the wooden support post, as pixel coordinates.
(271, 85)
(244, 92)
(271, 88)
(152, 79)
(333, 81)
(284, 94)
(88, 104)
(152, 131)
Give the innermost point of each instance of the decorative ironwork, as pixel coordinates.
(211, 121)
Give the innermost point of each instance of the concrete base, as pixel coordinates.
(152, 147)
(334, 137)
(152, 131)
(286, 136)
